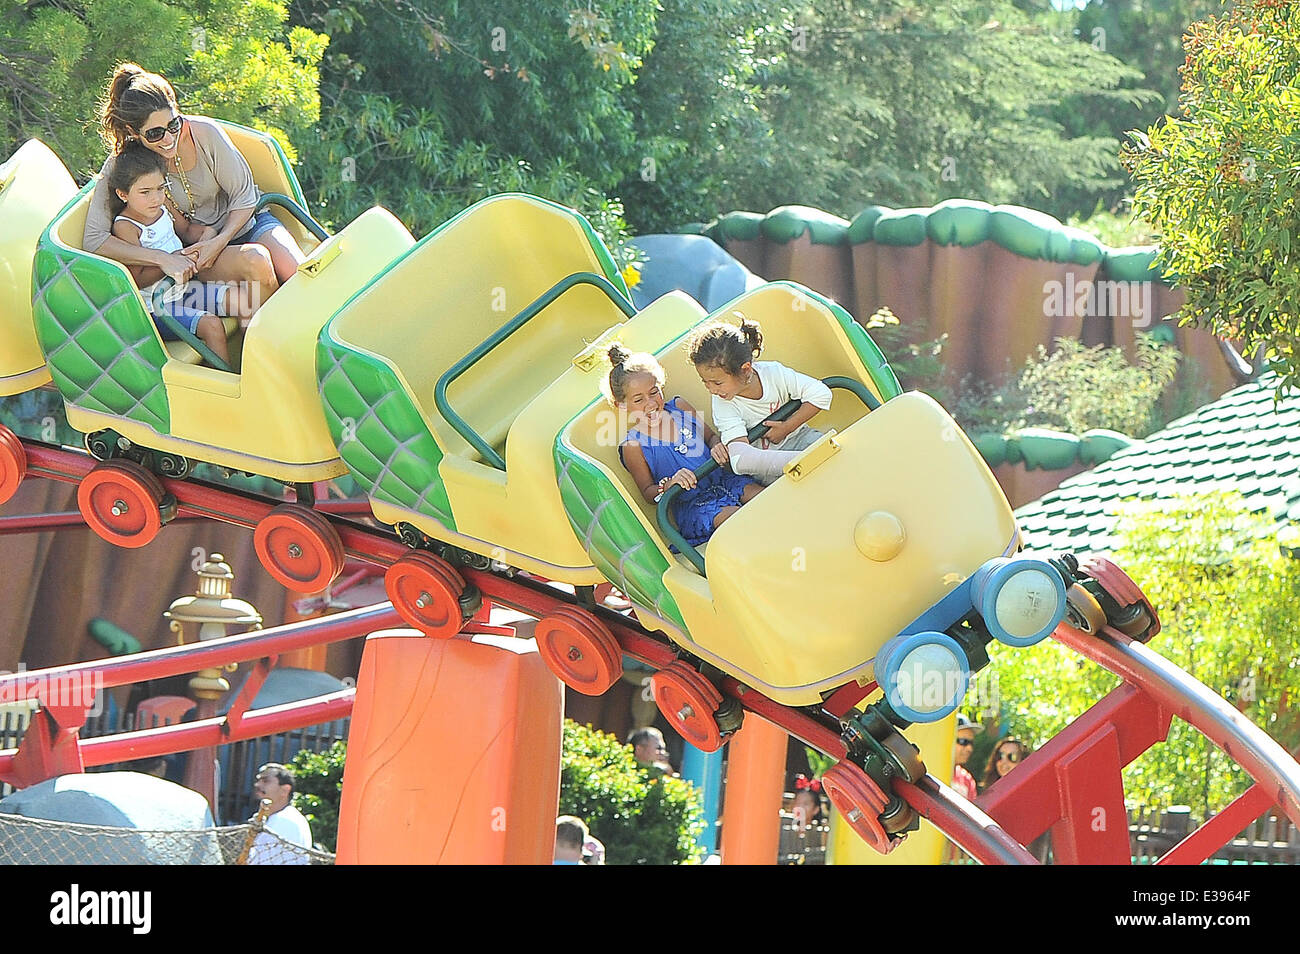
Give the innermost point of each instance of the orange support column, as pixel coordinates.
(751, 809)
(453, 753)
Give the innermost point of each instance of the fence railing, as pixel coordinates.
(1271, 839)
(238, 761)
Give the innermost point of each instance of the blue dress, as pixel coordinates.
(692, 510)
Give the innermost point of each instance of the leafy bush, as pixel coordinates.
(919, 367)
(641, 816)
(1220, 183)
(319, 788)
(1075, 389)
(1228, 599)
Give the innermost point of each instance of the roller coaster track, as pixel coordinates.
(1063, 786)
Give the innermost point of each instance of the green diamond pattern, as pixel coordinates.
(381, 435)
(98, 340)
(613, 537)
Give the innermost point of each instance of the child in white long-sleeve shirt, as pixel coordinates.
(746, 391)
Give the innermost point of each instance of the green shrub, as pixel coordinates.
(641, 816)
(319, 788)
(1228, 599)
(1220, 182)
(919, 367)
(1075, 389)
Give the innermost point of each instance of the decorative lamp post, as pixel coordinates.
(203, 616)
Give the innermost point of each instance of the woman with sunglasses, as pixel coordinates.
(1006, 755)
(209, 184)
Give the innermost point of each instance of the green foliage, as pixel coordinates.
(1220, 184)
(642, 816)
(1114, 230)
(1228, 599)
(908, 103)
(1147, 37)
(431, 107)
(318, 791)
(1075, 389)
(230, 58)
(919, 367)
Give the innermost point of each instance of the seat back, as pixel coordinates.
(272, 173)
(464, 281)
(34, 186)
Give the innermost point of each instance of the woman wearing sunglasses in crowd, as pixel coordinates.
(208, 184)
(1006, 755)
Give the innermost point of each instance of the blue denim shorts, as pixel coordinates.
(257, 226)
(199, 299)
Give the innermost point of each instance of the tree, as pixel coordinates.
(230, 58)
(431, 107)
(1220, 183)
(1228, 597)
(904, 103)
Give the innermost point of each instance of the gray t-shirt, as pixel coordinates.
(220, 181)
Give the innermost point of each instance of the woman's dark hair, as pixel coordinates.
(991, 770)
(625, 364)
(133, 162)
(726, 346)
(133, 93)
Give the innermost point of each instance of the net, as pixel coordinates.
(37, 841)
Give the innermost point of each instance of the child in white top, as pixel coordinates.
(141, 218)
(745, 391)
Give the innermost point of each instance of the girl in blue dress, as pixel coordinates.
(666, 442)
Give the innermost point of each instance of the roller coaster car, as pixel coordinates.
(444, 406)
(137, 396)
(34, 186)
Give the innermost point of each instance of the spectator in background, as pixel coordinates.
(275, 783)
(575, 845)
(962, 747)
(650, 750)
(1006, 755)
(807, 807)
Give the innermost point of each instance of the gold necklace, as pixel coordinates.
(189, 194)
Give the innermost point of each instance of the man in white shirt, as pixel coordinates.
(275, 782)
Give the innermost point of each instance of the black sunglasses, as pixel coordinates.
(1009, 756)
(965, 742)
(155, 133)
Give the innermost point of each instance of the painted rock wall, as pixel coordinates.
(999, 280)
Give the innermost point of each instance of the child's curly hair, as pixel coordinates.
(726, 346)
(625, 364)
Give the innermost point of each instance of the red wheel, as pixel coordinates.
(299, 547)
(580, 649)
(860, 801)
(13, 463)
(688, 701)
(425, 591)
(1137, 619)
(121, 502)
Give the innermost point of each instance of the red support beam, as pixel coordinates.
(1028, 801)
(183, 737)
(1220, 829)
(1093, 829)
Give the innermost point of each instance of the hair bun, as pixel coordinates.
(618, 354)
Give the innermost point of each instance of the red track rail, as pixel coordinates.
(1128, 721)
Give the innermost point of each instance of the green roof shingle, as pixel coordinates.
(1240, 442)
